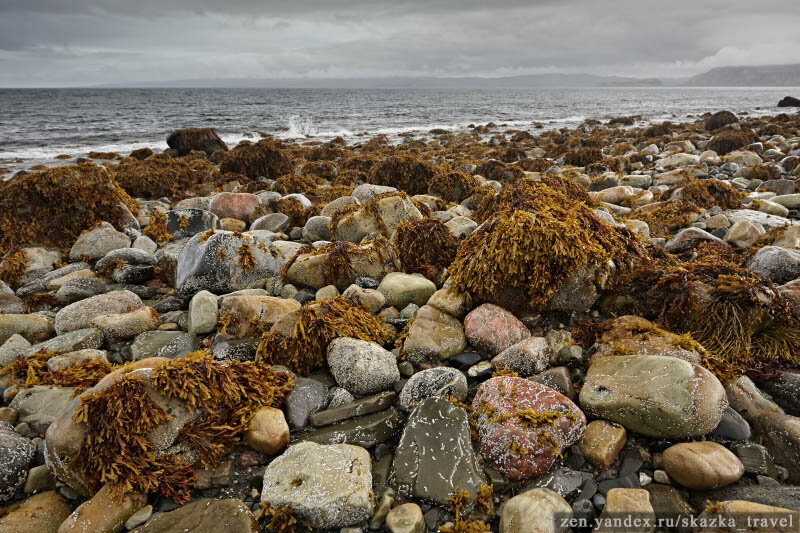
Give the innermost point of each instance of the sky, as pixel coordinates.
(87, 42)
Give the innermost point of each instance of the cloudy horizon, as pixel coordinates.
(70, 42)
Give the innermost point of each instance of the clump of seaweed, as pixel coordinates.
(246, 258)
(666, 217)
(291, 183)
(459, 501)
(425, 246)
(12, 267)
(292, 208)
(404, 172)
(33, 370)
(537, 240)
(719, 119)
(583, 157)
(278, 519)
(710, 192)
(160, 175)
(319, 323)
(265, 158)
(730, 140)
(53, 207)
(157, 229)
(452, 186)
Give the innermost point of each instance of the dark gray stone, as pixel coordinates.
(631, 481)
(435, 455)
(307, 397)
(732, 427)
(755, 458)
(185, 223)
(16, 453)
(77, 289)
(365, 431)
(785, 391)
(564, 481)
(364, 406)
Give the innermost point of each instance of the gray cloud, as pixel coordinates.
(53, 42)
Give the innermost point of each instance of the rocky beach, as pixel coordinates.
(492, 329)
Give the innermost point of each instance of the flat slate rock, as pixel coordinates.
(363, 406)
(365, 431)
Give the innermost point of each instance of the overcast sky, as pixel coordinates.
(69, 42)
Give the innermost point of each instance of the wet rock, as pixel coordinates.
(450, 302)
(40, 405)
(277, 222)
(252, 314)
(80, 339)
(203, 313)
(563, 481)
(702, 465)
(406, 518)
(534, 510)
(384, 219)
(353, 408)
(317, 228)
(527, 357)
(365, 431)
(689, 238)
(601, 442)
(785, 391)
(269, 432)
(627, 502)
(777, 264)
(186, 223)
(79, 315)
(225, 262)
(202, 139)
(41, 513)
(123, 326)
(151, 343)
(435, 456)
(327, 485)
(362, 367)
(204, 516)
(33, 328)
(61, 362)
(755, 458)
(433, 382)
(732, 427)
(558, 379)
(522, 426)
(307, 397)
(653, 395)
(371, 261)
(103, 514)
(15, 347)
(97, 242)
(492, 329)
(401, 289)
(80, 289)
(433, 336)
(744, 233)
(16, 453)
(139, 517)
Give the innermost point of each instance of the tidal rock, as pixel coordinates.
(601, 443)
(538, 510)
(523, 426)
(362, 367)
(41, 513)
(186, 223)
(16, 453)
(365, 431)
(527, 357)
(435, 456)
(702, 465)
(689, 238)
(80, 289)
(269, 432)
(627, 502)
(103, 513)
(735, 513)
(433, 382)
(225, 262)
(251, 312)
(238, 205)
(433, 336)
(387, 214)
(338, 411)
(123, 326)
(79, 339)
(277, 222)
(328, 486)
(186, 140)
(777, 264)
(97, 242)
(653, 395)
(79, 315)
(450, 302)
(307, 397)
(401, 289)
(203, 313)
(371, 259)
(33, 328)
(40, 405)
(785, 391)
(492, 329)
(406, 518)
(15, 347)
(204, 516)
(732, 427)
(317, 228)
(744, 233)
(62, 362)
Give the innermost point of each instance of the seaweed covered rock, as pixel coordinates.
(340, 263)
(424, 246)
(407, 173)
(654, 395)
(328, 486)
(203, 139)
(145, 427)
(728, 141)
(53, 207)
(265, 158)
(300, 341)
(434, 458)
(540, 250)
(523, 426)
(223, 261)
(160, 175)
(452, 186)
(719, 119)
(247, 315)
(382, 214)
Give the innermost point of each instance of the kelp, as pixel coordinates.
(160, 175)
(424, 246)
(265, 158)
(157, 229)
(404, 172)
(708, 193)
(452, 186)
(319, 323)
(537, 239)
(53, 207)
(33, 370)
(12, 267)
(664, 218)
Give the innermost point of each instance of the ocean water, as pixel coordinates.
(38, 124)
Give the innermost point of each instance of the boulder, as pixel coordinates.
(789, 101)
(382, 218)
(523, 426)
(601, 443)
(653, 395)
(371, 260)
(492, 329)
(401, 289)
(239, 205)
(362, 367)
(434, 457)
(186, 140)
(777, 264)
(252, 314)
(526, 358)
(97, 242)
(33, 328)
(203, 313)
(16, 453)
(123, 326)
(329, 486)
(225, 262)
(79, 315)
(41, 513)
(186, 223)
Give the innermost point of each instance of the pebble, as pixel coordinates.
(362, 367)
(702, 465)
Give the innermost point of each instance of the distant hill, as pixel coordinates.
(764, 76)
(510, 82)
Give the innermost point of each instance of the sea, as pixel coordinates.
(36, 125)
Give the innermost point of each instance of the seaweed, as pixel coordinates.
(666, 217)
(51, 208)
(291, 183)
(157, 229)
(265, 158)
(425, 246)
(583, 157)
(710, 192)
(730, 140)
(319, 323)
(278, 519)
(33, 370)
(160, 175)
(452, 186)
(292, 208)
(13, 267)
(404, 172)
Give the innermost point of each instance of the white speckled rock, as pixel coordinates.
(16, 453)
(362, 367)
(432, 382)
(80, 314)
(122, 326)
(526, 358)
(327, 485)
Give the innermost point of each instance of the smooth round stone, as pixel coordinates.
(406, 518)
(702, 465)
(534, 510)
(439, 381)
